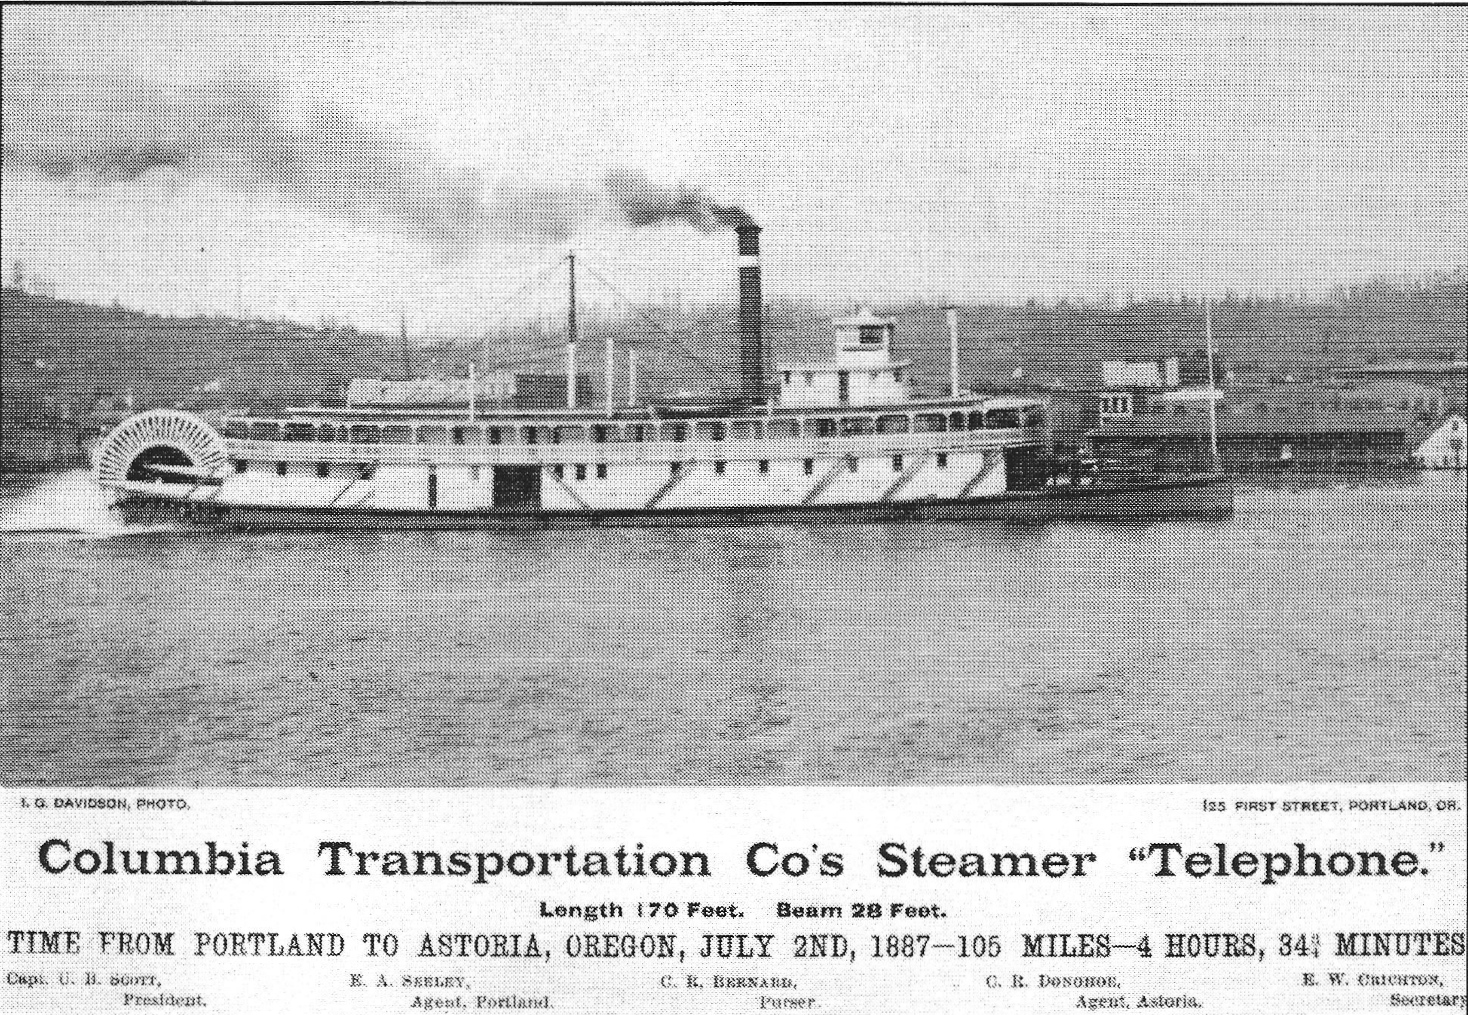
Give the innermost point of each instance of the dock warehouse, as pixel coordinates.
(1262, 441)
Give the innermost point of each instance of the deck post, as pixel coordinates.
(611, 376)
(953, 352)
(570, 375)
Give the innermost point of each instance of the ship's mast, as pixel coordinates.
(571, 335)
(953, 386)
(403, 344)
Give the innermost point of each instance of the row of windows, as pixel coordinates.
(1353, 405)
(668, 430)
(559, 471)
(809, 377)
(323, 469)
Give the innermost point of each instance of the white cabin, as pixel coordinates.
(862, 373)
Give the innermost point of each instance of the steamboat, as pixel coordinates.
(845, 439)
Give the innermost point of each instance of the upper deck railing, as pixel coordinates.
(817, 427)
(613, 452)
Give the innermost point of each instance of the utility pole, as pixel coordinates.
(1212, 382)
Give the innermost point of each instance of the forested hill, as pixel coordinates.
(60, 352)
(63, 352)
(1373, 323)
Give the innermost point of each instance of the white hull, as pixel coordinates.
(598, 477)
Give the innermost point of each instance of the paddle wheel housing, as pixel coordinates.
(159, 439)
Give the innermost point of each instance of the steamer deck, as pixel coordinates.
(844, 439)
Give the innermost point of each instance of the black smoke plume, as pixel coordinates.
(644, 203)
(109, 129)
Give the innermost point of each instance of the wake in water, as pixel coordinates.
(70, 503)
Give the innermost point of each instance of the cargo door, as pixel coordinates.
(517, 486)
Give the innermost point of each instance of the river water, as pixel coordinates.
(1316, 635)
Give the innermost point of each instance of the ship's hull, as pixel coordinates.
(1181, 497)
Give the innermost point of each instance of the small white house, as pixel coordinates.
(1151, 373)
(1445, 448)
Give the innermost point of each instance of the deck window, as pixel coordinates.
(710, 431)
(601, 433)
(241, 465)
(676, 468)
(397, 435)
(785, 377)
(955, 421)
(850, 463)
(280, 468)
(744, 430)
(433, 435)
(323, 470)
(265, 431)
(976, 420)
(568, 435)
(474, 473)
(857, 426)
(784, 429)
(942, 461)
(366, 435)
(299, 432)
(639, 432)
(764, 466)
(823, 427)
(580, 472)
(495, 435)
(675, 431)
(237, 430)
(810, 466)
(559, 471)
(930, 422)
(718, 468)
(531, 437)
(368, 471)
(601, 472)
(896, 463)
(893, 424)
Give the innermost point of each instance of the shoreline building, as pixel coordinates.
(1250, 440)
(1444, 448)
(1449, 377)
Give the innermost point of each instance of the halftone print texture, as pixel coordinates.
(975, 396)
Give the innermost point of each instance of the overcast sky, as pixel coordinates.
(360, 162)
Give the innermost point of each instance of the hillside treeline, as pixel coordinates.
(63, 355)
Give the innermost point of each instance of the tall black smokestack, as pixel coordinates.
(751, 314)
(644, 203)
